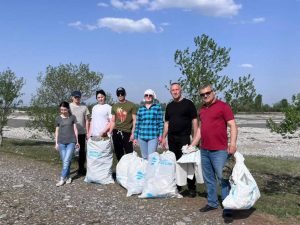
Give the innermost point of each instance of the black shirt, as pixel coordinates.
(180, 115)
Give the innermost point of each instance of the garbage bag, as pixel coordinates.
(136, 173)
(244, 191)
(99, 160)
(122, 168)
(160, 176)
(188, 166)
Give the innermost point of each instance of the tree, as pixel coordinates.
(258, 104)
(291, 121)
(203, 65)
(10, 91)
(240, 95)
(282, 105)
(56, 86)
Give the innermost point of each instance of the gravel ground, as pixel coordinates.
(28, 195)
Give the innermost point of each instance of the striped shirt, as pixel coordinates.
(149, 122)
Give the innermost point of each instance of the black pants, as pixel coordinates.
(122, 143)
(175, 144)
(82, 153)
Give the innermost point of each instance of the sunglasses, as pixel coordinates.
(206, 94)
(76, 97)
(146, 95)
(120, 94)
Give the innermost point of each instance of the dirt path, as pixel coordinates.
(28, 195)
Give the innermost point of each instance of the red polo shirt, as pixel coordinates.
(214, 120)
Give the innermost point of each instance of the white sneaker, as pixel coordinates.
(60, 183)
(69, 180)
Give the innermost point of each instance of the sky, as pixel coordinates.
(133, 42)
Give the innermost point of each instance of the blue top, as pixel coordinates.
(149, 122)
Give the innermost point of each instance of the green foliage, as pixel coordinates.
(240, 94)
(203, 65)
(291, 120)
(10, 91)
(258, 104)
(56, 86)
(281, 105)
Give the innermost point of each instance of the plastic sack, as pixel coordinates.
(122, 168)
(99, 160)
(136, 173)
(188, 166)
(160, 176)
(244, 191)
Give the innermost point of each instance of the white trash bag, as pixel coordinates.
(99, 160)
(188, 166)
(122, 168)
(160, 176)
(136, 173)
(244, 190)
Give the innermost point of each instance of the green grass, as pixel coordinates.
(279, 184)
(278, 179)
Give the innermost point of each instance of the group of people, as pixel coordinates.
(148, 127)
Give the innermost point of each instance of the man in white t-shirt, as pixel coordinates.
(81, 112)
(101, 117)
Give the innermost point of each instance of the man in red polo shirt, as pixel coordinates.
(215, 116)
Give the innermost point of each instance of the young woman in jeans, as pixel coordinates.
(66, 138)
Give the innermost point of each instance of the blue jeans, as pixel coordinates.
(148, 147)
(213, 162)
(66, 153)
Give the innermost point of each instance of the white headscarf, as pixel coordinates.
(150, 92)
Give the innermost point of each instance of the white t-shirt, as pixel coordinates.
(101, 116)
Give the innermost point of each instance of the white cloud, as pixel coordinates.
(252, 21)
(130, 5)
(259, 20)
(246, 65)
(76, 24)
(119, 25)
(102, 4)
(206, 7)
(80, 26)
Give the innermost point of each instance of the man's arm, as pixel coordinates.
(233, 136)
(195, 126)
(165, 133)
(112, 123)
(196, 137)
(87, 124)
(133, 127)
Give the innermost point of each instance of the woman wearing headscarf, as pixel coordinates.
(149, 124)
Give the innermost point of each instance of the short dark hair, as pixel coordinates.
(175, 83)
(102, 92)
(65, 105)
